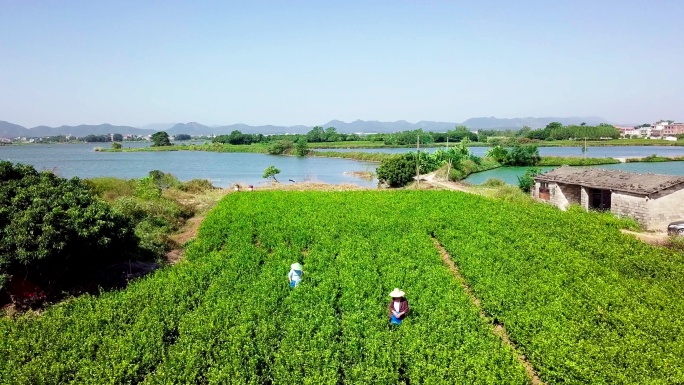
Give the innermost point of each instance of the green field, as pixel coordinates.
(583, 302)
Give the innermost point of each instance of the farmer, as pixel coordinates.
(295, 274)
(398, 306)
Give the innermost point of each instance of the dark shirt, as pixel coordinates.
(403, 307)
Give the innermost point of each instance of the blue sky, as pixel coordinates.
(308, 62)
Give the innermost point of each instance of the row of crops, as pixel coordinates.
(584, 303)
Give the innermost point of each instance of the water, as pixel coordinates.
(593, 152)
(510, 174)
(222, 169)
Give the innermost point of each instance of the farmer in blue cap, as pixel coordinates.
(295, 274)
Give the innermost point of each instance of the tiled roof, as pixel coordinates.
(611, 179)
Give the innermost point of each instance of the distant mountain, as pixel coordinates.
(191, 128)
(10, 130)
(157, 126)
(516, 123)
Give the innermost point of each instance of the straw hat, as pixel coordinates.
(396, 293)
(296, 266)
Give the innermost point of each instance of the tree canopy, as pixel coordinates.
(160, 139)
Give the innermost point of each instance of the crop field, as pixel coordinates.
(583, 303)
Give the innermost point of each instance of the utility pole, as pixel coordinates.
(449, 166)
(418, 161)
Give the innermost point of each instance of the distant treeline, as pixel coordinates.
(330, 134)
(557, 131)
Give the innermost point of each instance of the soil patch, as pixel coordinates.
(656, 239)
(498, 329)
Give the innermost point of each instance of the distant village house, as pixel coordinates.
(653, 200)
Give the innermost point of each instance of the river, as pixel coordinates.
(222, 169)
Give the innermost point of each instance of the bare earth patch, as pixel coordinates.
(656, 239)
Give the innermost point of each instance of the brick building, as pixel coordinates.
(653, 200)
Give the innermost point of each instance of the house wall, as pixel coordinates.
(561, 195)
(654, 213)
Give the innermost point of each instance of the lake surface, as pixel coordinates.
(510, 174)
(222, 169)
(225, 169)
(593, 152)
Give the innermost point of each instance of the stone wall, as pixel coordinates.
(561, 195)
(654, 212)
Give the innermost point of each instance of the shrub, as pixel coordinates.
(396, 171)
(279, 147)
(493, 182)
(526, 181)
(196, 186)
(51, 225)
(111, 188)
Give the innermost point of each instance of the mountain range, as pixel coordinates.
(10, 130)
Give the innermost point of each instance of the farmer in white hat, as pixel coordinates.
(295, 274)
(398, 306)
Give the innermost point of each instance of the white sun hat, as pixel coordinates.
(396, 293)
(296, 266)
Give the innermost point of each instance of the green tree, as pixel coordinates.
(396, 171)
(117, 137)
(116, 146)
(279, 147)
(331, 135)
(181, 137)
(160, 139)
(270, 173)
(50, 226)
(301, 147)
(317, 134)
(498, 153)
(523, 156)
(526, 181)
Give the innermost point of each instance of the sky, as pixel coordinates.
(309, 62)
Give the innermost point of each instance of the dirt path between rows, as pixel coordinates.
(498, 329)
(189, 232)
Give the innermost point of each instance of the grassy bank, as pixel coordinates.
(466, 167)
(361, 156)
(656, 158)
(211, 147)
(575, 161)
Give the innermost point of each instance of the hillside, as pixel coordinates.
(11, 130)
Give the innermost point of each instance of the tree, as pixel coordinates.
(270, 172)
(116, 146)
(280, 146)
(317, 134)
(583, 124)
(181, 137)
(331, 135)
(160, 139)
(301, 147)
(117, 137)
(523, 156)
(50, 226)
(526, 181)
(396, 171)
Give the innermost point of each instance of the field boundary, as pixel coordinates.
(497, 328)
